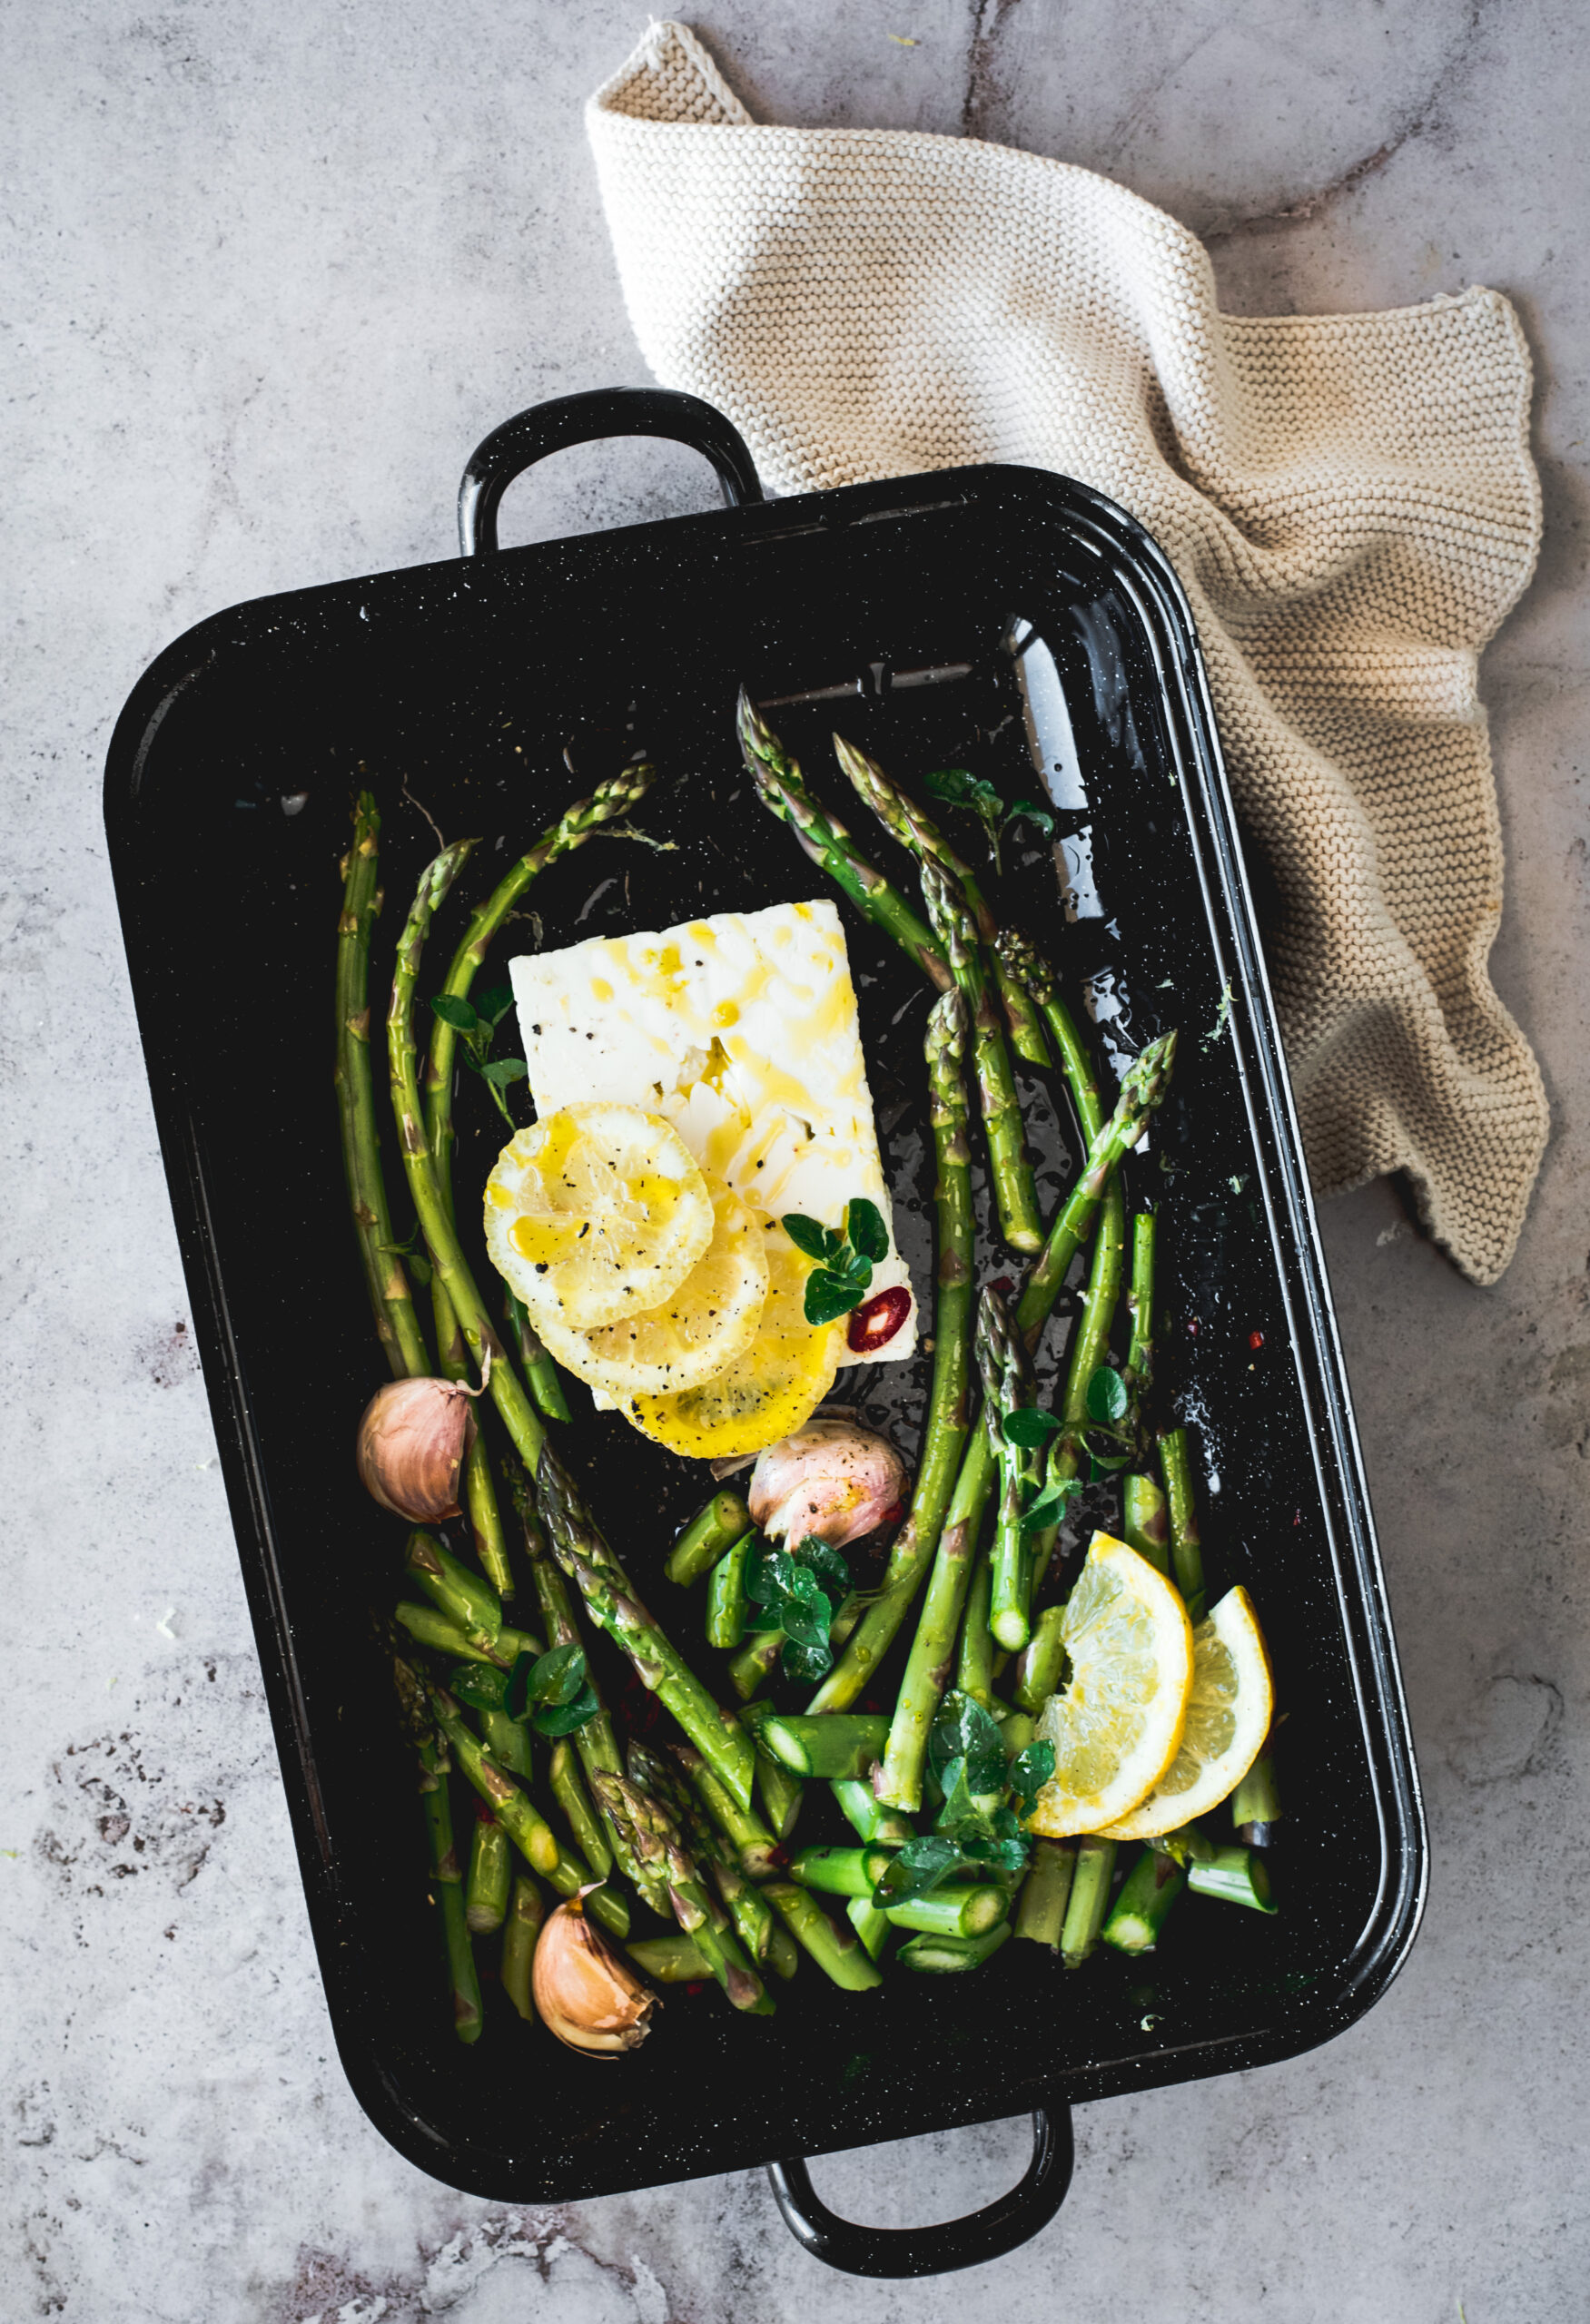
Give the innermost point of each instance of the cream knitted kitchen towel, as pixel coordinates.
(1348, 500)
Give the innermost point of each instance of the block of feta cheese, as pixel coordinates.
(741, 1029)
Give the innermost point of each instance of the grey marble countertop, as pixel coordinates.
(272, 272)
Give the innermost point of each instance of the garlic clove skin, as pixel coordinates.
(413, 1441)
(830, 1479)
(584, 1988)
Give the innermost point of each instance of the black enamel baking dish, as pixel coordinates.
(990, 617)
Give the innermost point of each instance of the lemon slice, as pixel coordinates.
(693, 1334)
(598, 1212)
(763, 1395)
(1117, 1727)
(1228, 1713)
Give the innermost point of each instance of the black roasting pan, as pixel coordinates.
(992, 616)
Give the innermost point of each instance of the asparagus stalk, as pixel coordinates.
(782, 788)
(491, 1875)
(1256, 1807)
(879, 1827)
(578, 1546)
(546, 1386)
(916, 831)
(835, 1745)
(841, 1872)
(527, 1827)
(508, 1743)
(1145, 1523)
(479, 1494)
(519, 1415)
(948, 1409)
(596, 1742)
(755, 1662)
(1015, 1193)
(386, 1278)
(838, 1952)
(725, 1597)
(900, 1782)
(571, 830)
(758, 1852)
(1042, 1660)
(526, 1912)
(780, 1790)
(676, 1959)
(974, 1662)
(1089, 1343)
(654, 1837)
(1023, 965)
(871, 1925)
(712, 1531)
(1239, 1876)
(447, 1882)
(458, 1593)
(1140, 1910)
(949, 1955)
(582, 1819)
(1090, 1898)
(1041, 1907)
(970, 1911)
(746, 1906)
(1008, 1386)
(1186, 1545)
(429, 1626)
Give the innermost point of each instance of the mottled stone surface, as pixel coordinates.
(271, 273)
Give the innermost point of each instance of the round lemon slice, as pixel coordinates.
(777, 1384)
(1228, 1713)
(1116, 1726)
(693, 1334)
(598, 1212)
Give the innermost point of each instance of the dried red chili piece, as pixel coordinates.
(874, 1324)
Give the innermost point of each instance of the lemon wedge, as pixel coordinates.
(1228, 1713)
(768, 1392)
(598, 1212)
(1116, 1726)
(693, 1334)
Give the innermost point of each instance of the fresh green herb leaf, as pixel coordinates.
(807, 1662)
(1027, 811)
(807, 1610)
(554, 1678)
(1029, 1428)
(503, 1070)
(1050, 1505)
(916, 1870)
(494, 1006)
(824, 1559)
(480, 1685)
(567, 1719)
(1106, 1396)
(829, 1296)
(1029, 1770)
(961, 788)
(1106, 1464)
(817, 1242)
(962, 1729)
(454, 1011)
(863, 1224)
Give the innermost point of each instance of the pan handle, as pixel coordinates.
(530, 436)
(987, 2234)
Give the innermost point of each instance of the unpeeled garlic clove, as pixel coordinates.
(830, 1479)
(584, 1989)
(413, 1441)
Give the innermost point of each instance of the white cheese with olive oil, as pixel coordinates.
(741, 1029)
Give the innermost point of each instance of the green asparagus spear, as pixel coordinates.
(1089, 1343)
(782, 788)
(654, 1837)
(526, 1912)
(676, 1959)
(1146, 1080)
(429, 1626)
(581, 1550)
(386, 1278)
(1088, 1899)
(1042, 1662)
(1239, 1876)
(596, 1741)
(447, 1882)
(461, 1595)
(725, 1597)
(755, 1662)
(974, 1662)
(758, 1852)
(940, 1956)
(1015, 1195)
(480, 1490)
(710, 1532)
(571, 830)
(1041, 1907)
(954, 1911)
(1256, 1807)
(1022, 963)
(742, 1900)
(841, 1872)
(1008, 1386)
(915, 830)
(838, 1952)
(949, 1399)
(1185, 1546)
(491, 1875)
(831, 1745)
(780, 1790)
(508, 1743)
(879, 1827)
(1145, 1524)
(871, 1925)
(536, 1366)
(582, 1819)
(527, 1827)
(1140, 1910)
(519, 1415)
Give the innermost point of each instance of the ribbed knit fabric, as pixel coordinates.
(1348, 500)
